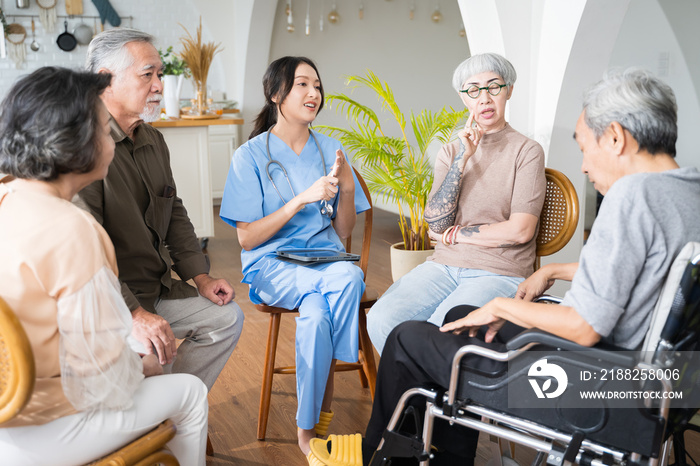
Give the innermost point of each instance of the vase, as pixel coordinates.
(172, 85)
(403, 261)
(201, 97)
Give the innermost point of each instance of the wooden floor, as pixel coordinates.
(234, 398)
(233, 401)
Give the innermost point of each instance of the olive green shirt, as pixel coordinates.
(137, 204)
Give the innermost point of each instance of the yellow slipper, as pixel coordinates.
(313, 461)
(346, 450)
(324, 420)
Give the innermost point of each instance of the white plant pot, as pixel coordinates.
(171, 94)
(403, 261)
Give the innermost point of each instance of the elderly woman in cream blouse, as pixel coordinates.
(93, 392)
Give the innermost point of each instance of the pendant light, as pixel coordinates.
(307, 30)
(333, 16)
(320, 21)
(290, 20)
(436, 16)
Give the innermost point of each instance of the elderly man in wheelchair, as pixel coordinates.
(626, 332)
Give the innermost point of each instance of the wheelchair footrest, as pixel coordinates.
(397, 445)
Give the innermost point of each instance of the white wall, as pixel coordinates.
(647, 39)
(160, 18)
(416, 57)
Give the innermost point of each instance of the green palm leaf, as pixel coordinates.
(395, 171)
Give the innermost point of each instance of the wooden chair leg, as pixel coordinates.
(368, 363)
(268, 372)
(361, 370)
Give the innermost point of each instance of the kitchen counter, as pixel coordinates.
(182, 122)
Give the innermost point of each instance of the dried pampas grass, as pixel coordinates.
(198, 56)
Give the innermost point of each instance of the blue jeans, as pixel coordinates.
(429, 291)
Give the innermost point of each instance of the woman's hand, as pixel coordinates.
(434, 236)
(323, 189)
(343, 171)
(469, 137)
(150, 365)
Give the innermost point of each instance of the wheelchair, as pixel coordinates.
(561, 428)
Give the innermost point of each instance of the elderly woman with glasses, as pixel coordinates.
(483, 210)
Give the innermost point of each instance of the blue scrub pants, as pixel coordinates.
(429, 291)
(328, 298)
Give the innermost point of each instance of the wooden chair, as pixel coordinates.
(17, 377)
(559, 216)
(366, 365)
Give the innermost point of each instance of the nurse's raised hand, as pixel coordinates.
(323, 189)
(343, 171)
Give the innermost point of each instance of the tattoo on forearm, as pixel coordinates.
(441, 210)
(507, 245)
(468, 231)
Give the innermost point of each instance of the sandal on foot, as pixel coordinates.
(345, 450)
(313, 461)
(324, 420)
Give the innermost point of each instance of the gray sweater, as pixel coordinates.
(643, 223)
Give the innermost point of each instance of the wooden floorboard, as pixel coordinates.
(234, 398)
(233, 401)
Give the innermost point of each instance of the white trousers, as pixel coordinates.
(86, 436)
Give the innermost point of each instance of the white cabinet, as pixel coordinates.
(223, 141)
(200, 154)
(189, 160)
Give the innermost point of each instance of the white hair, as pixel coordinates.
(108, 49)
(482, 63)
(640, 102)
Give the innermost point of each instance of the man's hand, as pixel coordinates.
(475, 320)
(216, 290)
(543, 279)
(534, 286)
(154, 332)
(150, 365)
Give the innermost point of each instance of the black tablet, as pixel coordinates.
(317, 255)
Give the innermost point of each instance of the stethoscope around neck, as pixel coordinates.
(326, 208)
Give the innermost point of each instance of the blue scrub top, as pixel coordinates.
(249, 195)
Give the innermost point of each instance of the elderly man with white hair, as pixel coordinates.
(138, 205)
(627, 133)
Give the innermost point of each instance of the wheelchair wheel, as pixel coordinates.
(686, 451)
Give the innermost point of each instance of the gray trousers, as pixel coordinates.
(210, 333)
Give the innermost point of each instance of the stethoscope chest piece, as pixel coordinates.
(326, 208)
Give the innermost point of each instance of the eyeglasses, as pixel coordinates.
(474, 91)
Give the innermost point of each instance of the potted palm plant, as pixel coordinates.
(395, 169)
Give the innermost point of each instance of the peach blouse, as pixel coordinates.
(58, 273)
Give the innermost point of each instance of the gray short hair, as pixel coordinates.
(107, 50)
(482, 63)
(640, 102)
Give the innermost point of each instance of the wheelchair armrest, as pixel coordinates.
(609, 353)
(549, 299)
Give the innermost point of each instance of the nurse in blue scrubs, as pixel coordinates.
(291, 187)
